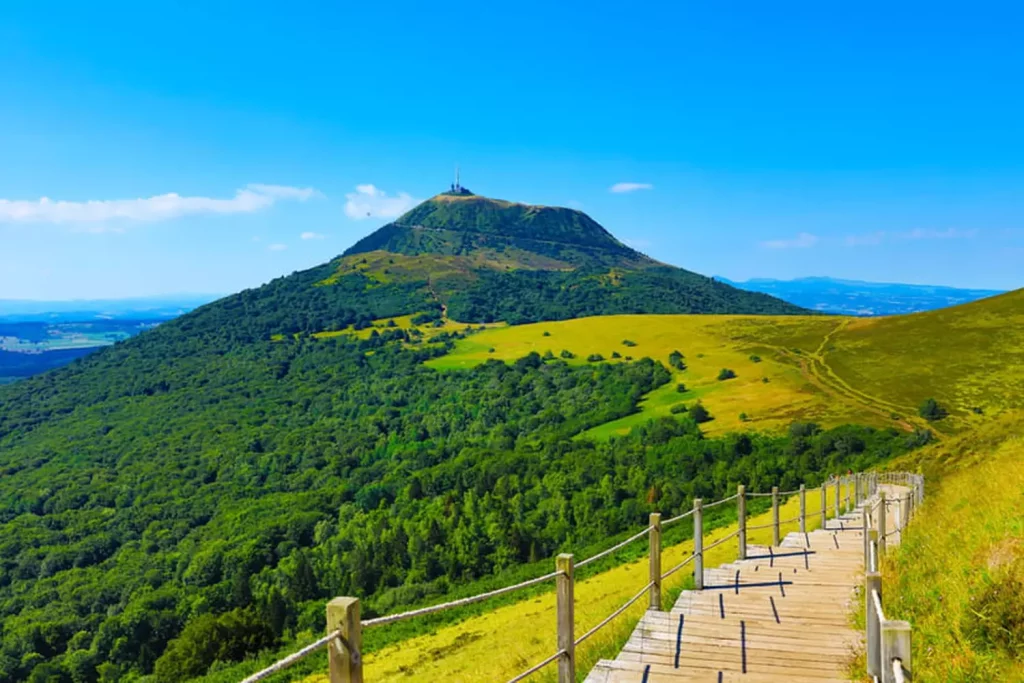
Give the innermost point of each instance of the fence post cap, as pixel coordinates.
(655, 519)
(344, 603)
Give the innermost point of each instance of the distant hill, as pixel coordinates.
(854, 297)
(36, 336)
(82, 310)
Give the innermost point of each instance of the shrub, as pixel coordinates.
(678, 408)
(725, 374)
(699, 413)
(567, 354)
(920, 437)
(996, 617)
(675, 360)
(546, 333)
(931, 410)
(755, 358)
(425, 318)
(548, 355)
(681, 388)
(628, 342)
(765, 380)
(743, 417)
(616, 354)
(595, 358)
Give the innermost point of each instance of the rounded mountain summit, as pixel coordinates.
(489, 259)
(479, 260)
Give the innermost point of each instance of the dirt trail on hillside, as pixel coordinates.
(816, 370)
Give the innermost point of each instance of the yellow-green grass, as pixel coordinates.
(497, 645)
(709, 344)
(960, 569)
(969, 356)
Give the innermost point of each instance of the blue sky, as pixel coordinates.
(208, 147)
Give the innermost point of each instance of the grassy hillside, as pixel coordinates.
(824, 369)
(967, 357)
(958, 577)
(757, 348)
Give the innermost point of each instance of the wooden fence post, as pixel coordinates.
(866, 526)
(741, 518)
(803, 509)
(698, 543)
(881, 523)
(849, 504)
(839, 486)
(904, 511)
(566, 638)
(655, 552)
(775, 516)
(344, 661)
(824, 504)
(873, 635)
(895, 645)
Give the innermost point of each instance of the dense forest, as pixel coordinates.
(232, 493)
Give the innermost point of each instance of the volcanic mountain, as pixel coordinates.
(486, 259)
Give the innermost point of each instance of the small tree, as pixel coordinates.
(566, 354)
(595, 358)
(931, 410)
(755, 358)
(675, 360)
(699, 413)
(681, 388)
(678, 408)
(616, 354)
(725, 374)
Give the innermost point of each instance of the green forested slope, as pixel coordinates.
(204, 479)
(149, 490)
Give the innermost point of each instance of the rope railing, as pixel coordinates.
(887, 641)
(537, 667)
(606, 553)
(720, 502)
(345, 626)
(392, 618)
(677, 518)
(689, 558)
(897, 670)
(722, 540)
(292, 658)
(604, 622)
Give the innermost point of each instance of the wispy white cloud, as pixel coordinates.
(255, 197)
(867, 240)
(277, 247)
(931, 234)
(368, 201)
(802, 241)
(311, 236)
(619, 188)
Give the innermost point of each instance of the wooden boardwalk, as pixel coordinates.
(782, 615)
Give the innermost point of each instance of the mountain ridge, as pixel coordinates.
(861, 298)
